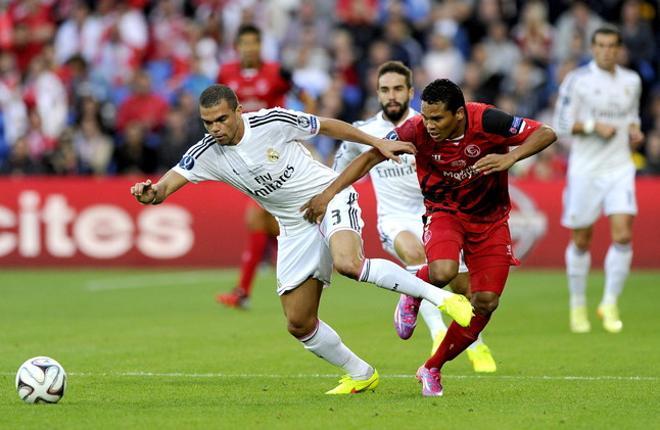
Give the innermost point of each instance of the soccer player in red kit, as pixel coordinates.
(258, 84)
(462, 161)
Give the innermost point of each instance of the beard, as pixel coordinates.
(394, 115)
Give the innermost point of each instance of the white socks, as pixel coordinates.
(617, 268)
(391, 276)
(433, 317)
(326, 344)
(577, 270)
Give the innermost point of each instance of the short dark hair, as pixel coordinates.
(396, 67)
(248, 29)
(215, 94)
(444, 91)
(608, 30)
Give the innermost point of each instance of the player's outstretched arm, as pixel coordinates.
(341, 130)
(149, 193)
(314, 209)
(540, 139)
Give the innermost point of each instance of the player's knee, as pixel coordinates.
(348, 266)
(300, 326)
(622, 237)
(582, 241)
(442, 275)
(485, 302)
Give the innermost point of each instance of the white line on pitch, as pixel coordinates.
(150, 280)
(393, 376)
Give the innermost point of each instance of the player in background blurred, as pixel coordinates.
(258, 85)
(598, 109)
(261, 155)
(462, 160)
(400, 206)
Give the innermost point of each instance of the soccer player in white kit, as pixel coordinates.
(400, 205)
(598, 109)
(260, 154)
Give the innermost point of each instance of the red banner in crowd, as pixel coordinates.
(96, 222)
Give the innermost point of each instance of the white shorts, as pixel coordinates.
(389, 228)
(586, 197)
(306, 253)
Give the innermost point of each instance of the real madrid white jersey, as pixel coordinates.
(591, 93)
(269, 164)
(396, 185)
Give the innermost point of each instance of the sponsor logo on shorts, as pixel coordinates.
(472, 151)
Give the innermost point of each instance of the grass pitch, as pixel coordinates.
(149, 349)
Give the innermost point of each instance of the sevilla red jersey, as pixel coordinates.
(445, 169)
(265, 87)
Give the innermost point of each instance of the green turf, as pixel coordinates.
(159, 353)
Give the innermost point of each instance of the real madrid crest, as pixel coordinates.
(272, 155)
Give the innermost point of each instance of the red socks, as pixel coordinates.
(457, 340)
(423, 274)
(257, 242)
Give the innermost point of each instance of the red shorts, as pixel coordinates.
(484, 246)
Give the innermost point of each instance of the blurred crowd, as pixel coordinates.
(111, 86)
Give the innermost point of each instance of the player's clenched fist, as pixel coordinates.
(144, 192)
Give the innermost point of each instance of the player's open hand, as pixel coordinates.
(492, 163)
(144, 192)
(391, 149)
(314, 210)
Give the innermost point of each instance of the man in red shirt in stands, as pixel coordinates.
(257, 85)
(462, 161)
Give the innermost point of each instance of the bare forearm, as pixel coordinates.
(166, 185)
(355, 170)
(341, 130)
(537, 142)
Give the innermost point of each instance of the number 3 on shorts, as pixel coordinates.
(336, 217)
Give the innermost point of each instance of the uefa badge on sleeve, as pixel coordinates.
(187, 162)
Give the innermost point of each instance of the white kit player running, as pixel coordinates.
(260, 154)
(400, 207)
(598, 109)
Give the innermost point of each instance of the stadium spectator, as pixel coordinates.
(134, 155)
(574, 30)
(534, 33)
(33, 27)
(652, 159)
(598, 109)
(307, 252)
(93, 146)
(78, 35)
(143, 106)
(442, 59)
(467, 140)
(20, 162)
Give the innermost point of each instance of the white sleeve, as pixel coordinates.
(567, 105)
(296, 125)
(634, 110)
(346, 153)
(196, 164)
